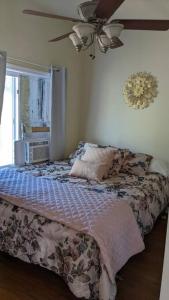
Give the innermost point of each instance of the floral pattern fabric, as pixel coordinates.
(119, 157)
(73, 255)
(136, 163)
(80, 151)
(148, 195)
(34, 239)
(123, 161)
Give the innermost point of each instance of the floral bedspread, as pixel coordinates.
(147, 195)
(75, 256)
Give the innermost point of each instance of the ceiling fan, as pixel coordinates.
(96, 24)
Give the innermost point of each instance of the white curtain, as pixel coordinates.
(2, 78)
(58, 110)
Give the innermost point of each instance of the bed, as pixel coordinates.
(73, 246)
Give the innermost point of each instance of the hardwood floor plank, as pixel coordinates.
(142, 274)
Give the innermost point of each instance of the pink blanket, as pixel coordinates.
(110, 222)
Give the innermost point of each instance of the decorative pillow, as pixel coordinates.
(100, 155)
(80, 151)
(117, 162)
(136, 163)
(89, 170)
(119, 158)
(159, 166)
(96, 154)
(77, 153)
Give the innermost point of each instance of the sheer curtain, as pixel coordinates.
(58, 110)
(2, 78)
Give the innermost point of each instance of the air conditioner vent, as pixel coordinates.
(38, 143)
(36, 151)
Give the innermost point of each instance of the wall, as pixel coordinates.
(26, 37)
(106, 118)
(95, 107)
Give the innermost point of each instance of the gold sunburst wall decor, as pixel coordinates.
(140, 90)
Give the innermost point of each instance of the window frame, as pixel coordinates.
(15, 71)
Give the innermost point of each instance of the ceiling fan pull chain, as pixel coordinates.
(93, 51)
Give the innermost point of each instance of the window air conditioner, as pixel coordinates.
(36, 151)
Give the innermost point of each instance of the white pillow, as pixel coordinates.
(100, 155)
(94, 154)
(90, 145)
(159, 166)
(89, 170)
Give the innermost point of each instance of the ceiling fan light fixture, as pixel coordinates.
(113, 30)
(76, 41)
(83, 31)
(116, 43)
(96, 24)
(87, 10)
(103, 49)
(104, 42)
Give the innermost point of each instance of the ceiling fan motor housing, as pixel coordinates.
(87, 10)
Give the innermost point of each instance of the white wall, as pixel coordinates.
(95, 107)
(26, 37)
(106, 118)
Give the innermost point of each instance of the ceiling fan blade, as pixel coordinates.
(106, 8)
(48, 15)
(157, 25)
(61, 37)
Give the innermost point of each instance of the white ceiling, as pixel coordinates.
(155, 9)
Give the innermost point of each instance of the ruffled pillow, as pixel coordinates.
(89, 170)
(136, 163)
(100, 155)
(96, 154)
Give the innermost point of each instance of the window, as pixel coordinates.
(9, 129)
(26, 105)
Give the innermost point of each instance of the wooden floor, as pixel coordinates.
(141, 276)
